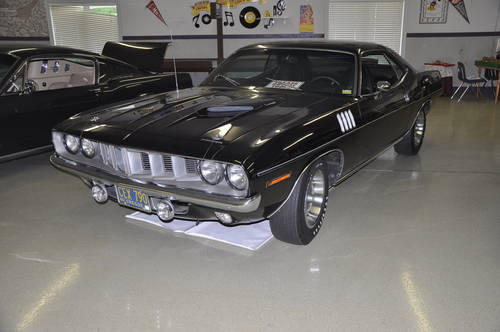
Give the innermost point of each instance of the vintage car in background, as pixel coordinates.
(41, 86)
(266, 136)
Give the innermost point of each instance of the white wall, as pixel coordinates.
(136, 20)
(483, 16)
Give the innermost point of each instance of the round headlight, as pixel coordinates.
(72, 143)
(211, 171)
(237, 177)
(88, 148)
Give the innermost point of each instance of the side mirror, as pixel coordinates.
(383, 85)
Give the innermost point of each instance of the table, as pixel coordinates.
(446, 75)
(490, 64)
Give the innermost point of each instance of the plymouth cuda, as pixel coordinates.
(265, 136)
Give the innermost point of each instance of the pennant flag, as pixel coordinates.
(460, 6)
(154, 9)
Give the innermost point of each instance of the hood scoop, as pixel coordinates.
(228, 109)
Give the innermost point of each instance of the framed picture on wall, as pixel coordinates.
(433, 11)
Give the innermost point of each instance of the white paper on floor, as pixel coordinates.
(250, 237)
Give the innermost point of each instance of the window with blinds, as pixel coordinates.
(371, 21)
(84, 27)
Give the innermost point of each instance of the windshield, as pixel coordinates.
(6, 62)
(304, 70)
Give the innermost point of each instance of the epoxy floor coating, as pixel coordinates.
(410, 244)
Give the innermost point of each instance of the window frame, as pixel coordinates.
(389, 56)
(16, 67)
(24, 67)
(354, 54)
(49, 3)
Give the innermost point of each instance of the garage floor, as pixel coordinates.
(411, 244)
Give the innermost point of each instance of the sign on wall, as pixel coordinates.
(306, 19)
(246, 14)
(433, 11)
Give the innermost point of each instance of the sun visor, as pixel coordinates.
(147, 56)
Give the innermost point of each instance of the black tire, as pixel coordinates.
(289, 224)
(412, 141)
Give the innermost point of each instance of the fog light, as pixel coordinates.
(165, 210)
(99, 193)
(224, 218)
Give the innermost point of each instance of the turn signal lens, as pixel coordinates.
(72, 143)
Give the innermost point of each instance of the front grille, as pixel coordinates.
(146, 166)
(191, 166)
(167, 164)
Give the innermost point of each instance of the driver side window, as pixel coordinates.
(378, 67)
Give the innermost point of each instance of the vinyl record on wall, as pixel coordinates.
(250, 17)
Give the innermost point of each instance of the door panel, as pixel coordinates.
(13, 137)
(384, 118)
(382, 110)
(32, 116)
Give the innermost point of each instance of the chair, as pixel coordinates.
(491, 75)
(467, 80)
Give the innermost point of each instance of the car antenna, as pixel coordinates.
(154, 9)
(173, 60)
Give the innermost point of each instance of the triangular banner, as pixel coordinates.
(460, 6)
(154, 9)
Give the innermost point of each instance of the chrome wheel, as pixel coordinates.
(418, 131)
(315, 197)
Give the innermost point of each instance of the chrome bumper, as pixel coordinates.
(216, 202)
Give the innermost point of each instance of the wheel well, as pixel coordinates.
(335, 162)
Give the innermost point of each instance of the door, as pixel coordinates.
(52, 91)
(12, 137)
(382, 104)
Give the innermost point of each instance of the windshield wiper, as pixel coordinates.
(227, 79)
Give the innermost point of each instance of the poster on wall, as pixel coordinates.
(433, 11)
(460, 6)
(248, 14)
(23, 18)
(306, 19)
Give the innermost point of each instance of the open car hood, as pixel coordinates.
(146, 56)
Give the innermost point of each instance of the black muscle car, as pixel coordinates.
(266, 136)
(42, 86)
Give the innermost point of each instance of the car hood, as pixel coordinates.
(147, 56)
(195, 120)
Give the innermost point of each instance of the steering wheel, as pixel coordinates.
(317, 78)
(30, 86)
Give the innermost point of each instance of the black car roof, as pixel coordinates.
(24, 50)
(337, 45)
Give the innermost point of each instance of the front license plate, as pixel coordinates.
(133, 198)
